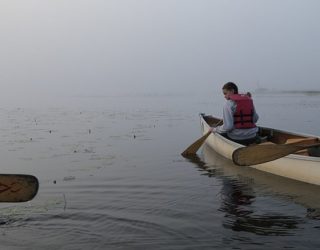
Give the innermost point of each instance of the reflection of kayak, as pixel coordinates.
(264, 183)
(241, 189)
(298, 166)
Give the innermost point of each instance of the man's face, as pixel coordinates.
(227, 93)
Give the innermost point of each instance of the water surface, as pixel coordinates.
(111, 177)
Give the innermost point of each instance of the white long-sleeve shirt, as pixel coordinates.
(228, 124)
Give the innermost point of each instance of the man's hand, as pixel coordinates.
(211, 129)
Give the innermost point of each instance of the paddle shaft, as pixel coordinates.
(194, 147)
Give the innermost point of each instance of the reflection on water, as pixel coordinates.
(237, 199)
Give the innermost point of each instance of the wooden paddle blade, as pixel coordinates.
(18, 187)
(258, 154)
(193, 148)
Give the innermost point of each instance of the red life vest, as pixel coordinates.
(243, 117)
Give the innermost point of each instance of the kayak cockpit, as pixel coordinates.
(275, 136)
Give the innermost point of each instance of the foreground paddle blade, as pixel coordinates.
(258, 154)
(193, 148)
(18, 187)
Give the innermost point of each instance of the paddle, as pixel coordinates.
(257, 154)
(17, 187)
(193, 148)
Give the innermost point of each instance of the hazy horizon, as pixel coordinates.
(76, 47)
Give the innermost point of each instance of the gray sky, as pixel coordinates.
(107, 47)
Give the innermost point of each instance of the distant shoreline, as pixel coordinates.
(273, 91)
(307, 92)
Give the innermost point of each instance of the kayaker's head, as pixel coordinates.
(228, 89)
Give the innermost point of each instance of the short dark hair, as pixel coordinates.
(231, 86)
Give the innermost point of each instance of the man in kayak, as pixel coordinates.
(239, 116)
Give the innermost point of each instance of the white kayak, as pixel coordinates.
(300, 166)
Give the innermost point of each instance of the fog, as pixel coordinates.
(76, 47)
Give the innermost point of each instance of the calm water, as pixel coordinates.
(111, 177)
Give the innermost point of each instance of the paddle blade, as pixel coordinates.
(17, 187)
(258, 154)
(193, 148)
